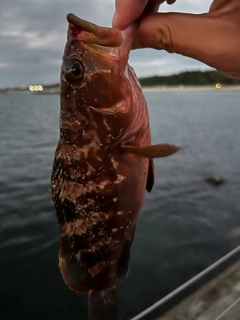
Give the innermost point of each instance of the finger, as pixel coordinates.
(152, 7)
(127, 12)
(219, 4)
(212, 40)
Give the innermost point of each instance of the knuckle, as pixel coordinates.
(163, 39)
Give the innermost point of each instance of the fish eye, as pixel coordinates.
(75, 71)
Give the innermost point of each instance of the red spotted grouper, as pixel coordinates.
(103, 162)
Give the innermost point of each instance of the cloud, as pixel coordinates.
(33, 36)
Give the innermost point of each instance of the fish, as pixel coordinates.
(103, 162)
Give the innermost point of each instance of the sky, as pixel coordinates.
(33, 36)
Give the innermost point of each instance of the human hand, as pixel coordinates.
(129, 11)
(212, 38)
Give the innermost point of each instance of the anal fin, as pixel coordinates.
(123, 262)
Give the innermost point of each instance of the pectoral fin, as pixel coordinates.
(150, 178)
(154, 151)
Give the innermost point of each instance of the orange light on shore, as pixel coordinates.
(218, 85)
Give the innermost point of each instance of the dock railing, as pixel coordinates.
(189, 287)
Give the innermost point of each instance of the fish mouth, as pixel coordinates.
(91, 33)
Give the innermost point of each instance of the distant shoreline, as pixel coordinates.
(188, 81)
(180, 88)
(224, 88)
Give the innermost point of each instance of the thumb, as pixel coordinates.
(206, 37)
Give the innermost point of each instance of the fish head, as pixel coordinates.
(92, 73)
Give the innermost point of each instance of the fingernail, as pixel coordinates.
(114, 19)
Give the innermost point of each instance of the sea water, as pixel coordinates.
(184, 225)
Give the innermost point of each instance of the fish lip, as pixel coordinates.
(94, 34)
(102, 36)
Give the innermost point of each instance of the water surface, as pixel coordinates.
(184, 226)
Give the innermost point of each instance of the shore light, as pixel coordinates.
(35, 87)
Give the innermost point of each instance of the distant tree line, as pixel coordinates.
(194, 78)
(188, 78)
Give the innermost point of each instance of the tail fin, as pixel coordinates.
(102, 305)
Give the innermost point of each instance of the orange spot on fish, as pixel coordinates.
(68, 109)
(92, 126)
(82, 155)
(91, 151)
(69, 195)
(74, 189)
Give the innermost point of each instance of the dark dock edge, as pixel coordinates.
(205, 289)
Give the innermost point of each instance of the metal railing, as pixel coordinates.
(225, 312)
(156, 307)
